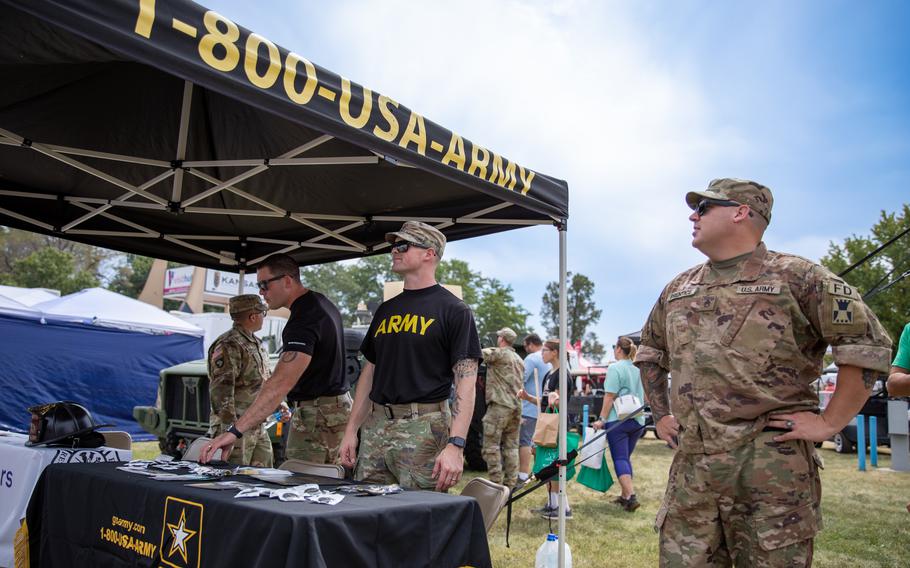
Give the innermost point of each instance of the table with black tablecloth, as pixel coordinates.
(96, 515)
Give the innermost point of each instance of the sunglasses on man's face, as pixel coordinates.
(263, 285)
(706, 204)
(403, 246)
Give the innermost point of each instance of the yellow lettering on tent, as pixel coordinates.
(525, 181)
(380, 329)
(415, 132)
(502, 177)
(386, 112)
(394, 322)
(345, 105)
(455, 154)
(424, 324)
(479, 164)
(290, 75)
(252, 57)
(409, 323)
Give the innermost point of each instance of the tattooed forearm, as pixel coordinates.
(654, 379)
(870, 376)
(465, 368)
(288, 356)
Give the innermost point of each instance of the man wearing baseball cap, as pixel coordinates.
(744, 335)
(419, 344)
(502, 420)
(238, 365)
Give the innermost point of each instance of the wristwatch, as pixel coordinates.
(233, 430)
(456, 441)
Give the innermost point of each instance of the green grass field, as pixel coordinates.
(865, 515)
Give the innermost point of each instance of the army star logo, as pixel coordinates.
(843, 311)
(181, 533)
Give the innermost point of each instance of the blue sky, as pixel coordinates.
(635, 103)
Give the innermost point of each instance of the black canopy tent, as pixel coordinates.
(165, 129)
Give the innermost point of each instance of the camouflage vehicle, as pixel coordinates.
(181, 411)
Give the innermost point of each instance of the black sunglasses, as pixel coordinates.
(263, 285)
(705, 204)
(403, 246)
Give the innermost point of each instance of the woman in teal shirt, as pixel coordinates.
(622, 379)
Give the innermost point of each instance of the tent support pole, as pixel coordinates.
(563, 390)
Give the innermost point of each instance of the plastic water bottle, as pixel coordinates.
(548, 553)
(272, 419)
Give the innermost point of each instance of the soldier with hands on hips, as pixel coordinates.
(743, 336)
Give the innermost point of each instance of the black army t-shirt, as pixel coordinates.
(414, 340)
(315, 328)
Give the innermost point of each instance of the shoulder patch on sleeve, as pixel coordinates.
(841, 288)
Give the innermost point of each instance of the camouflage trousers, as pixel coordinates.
(402, 450)
(255, 448)
(501, 425)
(756, 506)
(317, 427)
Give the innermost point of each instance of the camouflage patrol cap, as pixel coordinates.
(755, 195)
(507, 334)
(245, 303)
(419, 234)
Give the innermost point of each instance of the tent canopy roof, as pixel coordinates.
(110, 309)
(164, 129)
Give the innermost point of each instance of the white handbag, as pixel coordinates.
(625, 405)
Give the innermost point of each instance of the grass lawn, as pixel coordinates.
(865, 515)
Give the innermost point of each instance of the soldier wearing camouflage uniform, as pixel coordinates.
(238, 365)
(743, 336)
(310, 371)
(505, 375)
(419, 344)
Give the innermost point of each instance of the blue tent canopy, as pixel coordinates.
(105, 369)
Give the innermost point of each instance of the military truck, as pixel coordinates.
(181, 411)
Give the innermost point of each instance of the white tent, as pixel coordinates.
(98, 306)
(28, 296)
(12, 307)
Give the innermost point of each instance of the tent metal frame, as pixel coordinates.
(176, 172)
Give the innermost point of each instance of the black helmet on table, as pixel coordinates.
(63, 423)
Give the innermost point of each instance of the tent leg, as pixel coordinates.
(240, 283)
(563, 397)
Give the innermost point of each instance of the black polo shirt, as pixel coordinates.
(315, 328)
(414, 340)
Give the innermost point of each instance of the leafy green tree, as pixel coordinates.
(16, 245)
(891, 305)
(582, 313)
(49, 268)
(130, 277)
(496, 308)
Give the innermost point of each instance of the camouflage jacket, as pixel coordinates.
(238, 365)
(746, 340)
(505, 376)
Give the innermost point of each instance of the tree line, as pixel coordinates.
(32, 260)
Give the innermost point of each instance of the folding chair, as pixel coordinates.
(312, 468)
(491, 496)
(118, 440)
(192, 453)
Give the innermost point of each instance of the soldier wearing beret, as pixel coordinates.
(743, 336)
(419, 344)
(238, 365)
(502, 420)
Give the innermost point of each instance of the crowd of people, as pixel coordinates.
(743, 334)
